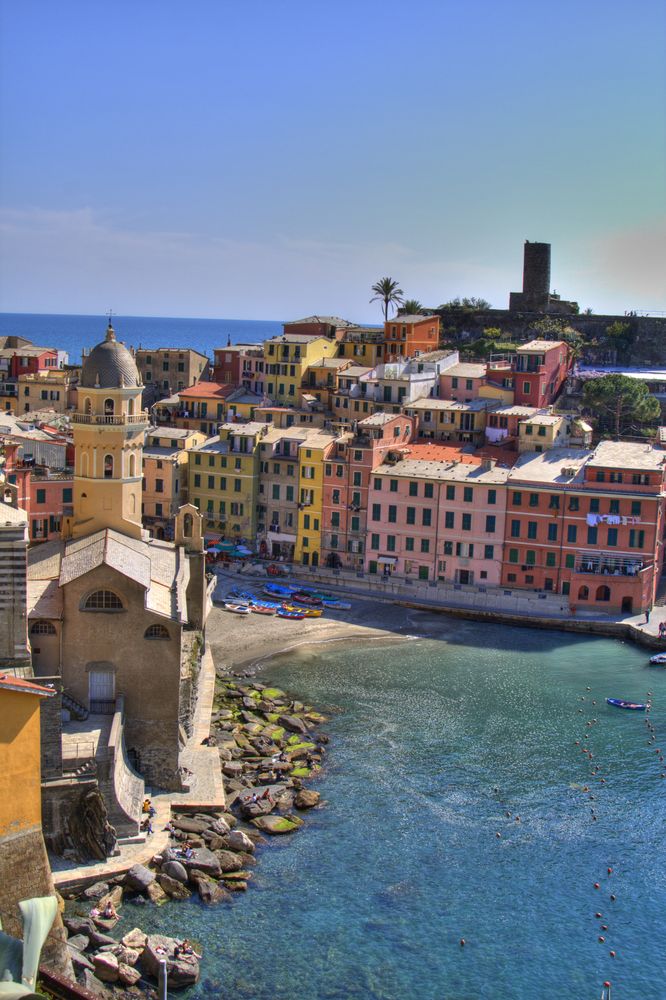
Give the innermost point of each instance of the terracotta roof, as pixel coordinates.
(10, 683)
(207, 390)
(439, 453)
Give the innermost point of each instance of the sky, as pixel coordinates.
(270, 159)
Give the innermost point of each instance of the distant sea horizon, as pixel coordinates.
(75, 332)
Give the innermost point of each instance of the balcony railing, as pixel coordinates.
(115, 420)
(608, 564)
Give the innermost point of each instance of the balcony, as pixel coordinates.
(115, 420)
(609, 564)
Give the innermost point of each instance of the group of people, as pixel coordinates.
(148, 811)
(185, 850)
(182, 949)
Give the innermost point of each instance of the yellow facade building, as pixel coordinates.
(312, 454)
(287, 359)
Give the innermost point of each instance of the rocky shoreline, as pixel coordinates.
(269, 745)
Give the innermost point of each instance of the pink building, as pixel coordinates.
(347, 474)
(437, 520)
(462, 382)
(540, 370)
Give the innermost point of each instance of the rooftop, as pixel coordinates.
(445, 471)
(430, 403)
(250, 429)
(466, 369)
(539, 345)
(11, 515)
(413, 318)
(328, 320)
(10, 683)
(355, 371)
(168, 432)
(329, 363)
(427, 451)
(559, 465)
(170, 350)
(547, 419)
(205, 390)
(378, 419)
(160, 451)
(514, 411)
(628, 455)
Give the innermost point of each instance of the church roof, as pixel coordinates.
(109, 366)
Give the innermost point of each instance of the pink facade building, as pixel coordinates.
(540, 370)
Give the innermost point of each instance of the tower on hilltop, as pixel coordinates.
(108, 443)
(536, 295)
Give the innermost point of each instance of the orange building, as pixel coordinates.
(410, 335)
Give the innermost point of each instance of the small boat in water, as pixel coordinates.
(620, 703)
(659, 659)
(237, 609)
(336, 605)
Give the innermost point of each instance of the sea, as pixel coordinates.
(76, 333)
(477, 788)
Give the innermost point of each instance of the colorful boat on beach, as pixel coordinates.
(659, 660)
(336, 605)
(296, 615)
(635, 706)
(306, 599)
(237, 609)
(260, 609)
(304, 612)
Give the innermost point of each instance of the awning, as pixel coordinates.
(387, 560)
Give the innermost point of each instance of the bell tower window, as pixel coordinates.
(108, 466)
(108, 407)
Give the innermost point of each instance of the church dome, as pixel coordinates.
(110, 366)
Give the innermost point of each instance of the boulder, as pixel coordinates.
(220, 826)
(211, 892)
(79, 941)
(79, 959)
(101, 923)
(99, 939)
(182, 971)
(139, 878)
(260, 807)
(228, 861)
(136, 938)
(293, 724)
(127, 975)
(203, 860)
(232, 768)
(96, 890)
(277, 824)
(216, 843)
(306, 799)
(173, 886)
(174, 869)
(94, 986)
(79, 925)
(106, 967)
(156, 894)
(128, 956)
(236, 886)
(239, 841)
(190, 825)
(114, 896)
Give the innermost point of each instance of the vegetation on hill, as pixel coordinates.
(621, 405)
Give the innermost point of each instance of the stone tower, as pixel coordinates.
(109, 431)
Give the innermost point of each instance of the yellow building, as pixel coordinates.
(497, 394)
(287, 359)
(46, 390)
(364, 345)
(109, 428)
(223, 481)
(165, 474)
(312, 454)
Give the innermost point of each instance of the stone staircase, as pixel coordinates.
(74, 707)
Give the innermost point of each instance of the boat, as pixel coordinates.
(337, 605)
(659, 659)
(260, 609)
(299, 616)
(301, 598)
(259, 603)
(238, 609)
(620, 703)
(276, 590)
(304, 612)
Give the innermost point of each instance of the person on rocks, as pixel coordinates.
(109, 911)
(187, 949)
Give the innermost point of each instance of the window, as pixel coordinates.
(534, 500)
(237, 485)
(374, 542)
(390, 543)
(306, 521)
(108, 466)
(290, 493)
(573, 503)
(594, 505)
(550, 558)
(413, 489)
(392, 514)
(488, 551)
(67, 495)
(592, 536)
(411, 515)
(376, 512)
(448, 548)
(454, 382)
(566, 587)
(600, 475)
(468, 494)
(211, 483)
(428, 491)
(467, 522)
(615, 477)
(357, 479)
(490, 523)
(640, 479)
(197, 459)
(393, 485)
(552, 532)
(449, 519)
(554, 502)
(41, 496)
(527, 388)
(156, 632)
(42, 628)
(517, 499)
(515, 529)
(531, 529)
(355, 524)
(450, 492)
(492, 496)
(426, 517)
(513, 555)
(335, 496)
(197, 479)
(570, 560)
(612, 536)
(103, 600)
(335, 519)
(530, 557)
(409, 544)
(275, 493)
(572, 532)
(636, 539)
(425, 545)
(635, 508)
(378, 482)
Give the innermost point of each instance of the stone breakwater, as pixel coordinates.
(269, 746)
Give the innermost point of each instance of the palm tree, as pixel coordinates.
(411, 307)
(388, 292)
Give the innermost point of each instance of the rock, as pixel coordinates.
(239, 841)
(183, 971)
(205, 861)
(224, 753)
(128, 975)
(173, 887)
(277, 824)
(228, 861)
(79, 959)
(96, 890)
(216, 843)
(189, 825)
(220, 826)
(247, 860)
(232, 768)
(249, 808)
(210, 892)
(293, 724)
(128, 956)
(306, 799)
(229, 819)
(135, 938)
(94, 986)
(175, 870)
(106, 967)
(114, 896)
(79, 925)
(156, 894)
(79, 941)
(236, 886)
(139, 878)
(241, 876)
(99, 940)
(105, 925)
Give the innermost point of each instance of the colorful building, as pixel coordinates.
(364, 345)
(287, 358)
(164, 487)
(540, 370)
(49, 389)
(200, 407)
(408, 336)
(171, 369)
(312, 454)
(444, 420)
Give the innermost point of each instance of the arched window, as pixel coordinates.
(187, 526)
(130, 407)
(583, 593)
(132, 465)
(108, 466)
(87, 405)
(132, 504)
(103, 600)
(42, 628)
(156, 632)
(108, 407)
(84, 464)
(603, 593)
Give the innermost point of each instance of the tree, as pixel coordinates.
(471, 304)
(386, 291)
(621, 401)
(410, 307)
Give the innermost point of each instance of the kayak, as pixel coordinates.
(620, 703)
(237, 609)
(659, 659)
(259, 609)
(291, 614)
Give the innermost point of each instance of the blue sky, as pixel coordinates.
(274, 158)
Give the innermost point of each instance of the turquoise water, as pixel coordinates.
(372, 897)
